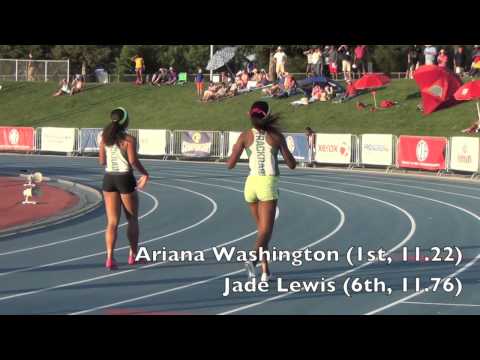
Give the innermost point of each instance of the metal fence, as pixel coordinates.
(34, 70)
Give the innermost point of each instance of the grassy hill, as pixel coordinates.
(32, 104)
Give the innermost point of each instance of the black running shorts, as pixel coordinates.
(120, 183)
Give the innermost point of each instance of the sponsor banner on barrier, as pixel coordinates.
(333, 149)
(232, 140)
(197, 143)
(58, 139)
(377, 150)
(422, 152)
(464, 154)
(17, 138)
(152, 142)
(298, 146)
(90, 140)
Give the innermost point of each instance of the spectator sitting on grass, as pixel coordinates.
(221, 92)
(244, 79)
(78, 84)
(64, 89)
(210, 92)
(232, 90)
(289, 88)
(224, 79)
(316, 93)
(264, 78)
(156, 78)
(172, 77)
(351, 91)
(278, 87)
(474, 129)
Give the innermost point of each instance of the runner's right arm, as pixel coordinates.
(102, 159)
(135, 162)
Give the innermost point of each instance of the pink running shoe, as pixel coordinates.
(111, 265)
(131, 260)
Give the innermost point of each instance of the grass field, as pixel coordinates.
(32, 104)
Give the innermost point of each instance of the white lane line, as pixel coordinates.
(74, 178)
(114, 274)
(401, 185)
(460, 271)
(206, 281)
(440, 304)
(327, 174)
(151, 211)
(413, 229)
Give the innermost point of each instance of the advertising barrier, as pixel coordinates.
(232, 140)
(298, 146)
(422, 153)
(58, 139)
(377, 150)
(17, 139)
(90, 140)
(464, 154)
(196, 143)
(152, 142)
(334, 149)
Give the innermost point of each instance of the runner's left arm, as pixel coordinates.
(287, 154)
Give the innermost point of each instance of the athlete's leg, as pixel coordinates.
(113, 210)
(254, 212)
(266, 221)
(130, 205)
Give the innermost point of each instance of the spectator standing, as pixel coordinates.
(442, 59)
(360, 58)
(30, 68)
(317, 62)
(200, 82)
(309, 55)
(430, 55)
(333, 63)
(460, 61)
(139, 68)
(475, 61)
(346, 58)
(311, 138)
(413, 58)
(280, 61)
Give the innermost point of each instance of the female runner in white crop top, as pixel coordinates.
(118, 153)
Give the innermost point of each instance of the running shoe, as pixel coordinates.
(266, 277)
(111, 265)
(250, 268)
(131, 260)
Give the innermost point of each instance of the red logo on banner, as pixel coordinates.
(17, 138)
(422, 152)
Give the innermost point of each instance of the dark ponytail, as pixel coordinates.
(114, 132)
(262, 119)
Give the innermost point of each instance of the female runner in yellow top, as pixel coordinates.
(262, 144)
